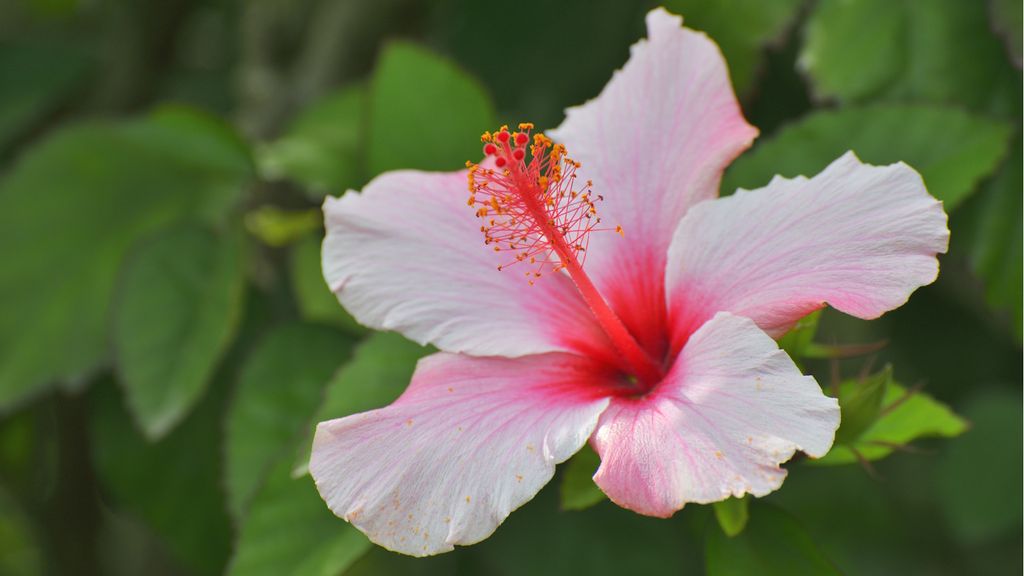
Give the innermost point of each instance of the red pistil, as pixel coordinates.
(532, 209)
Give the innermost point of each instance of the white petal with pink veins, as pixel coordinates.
(471, 440)
(731, 410)
(407, 254)
(858, 237)
(654, 142)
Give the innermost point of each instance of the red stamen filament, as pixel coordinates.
(531, 208)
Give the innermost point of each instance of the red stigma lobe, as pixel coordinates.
(530, 207)
(529, 204)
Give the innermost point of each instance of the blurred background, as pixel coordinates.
(167, 341)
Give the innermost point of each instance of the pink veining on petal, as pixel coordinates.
(732, 409)
(406, 254)
(470, 441)
(654, 142)
(856, 236)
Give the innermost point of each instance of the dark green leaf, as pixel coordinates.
(904, 416)
(556, 56)
(424, 113)
(953, 150)
(801, 336)
(380, 562)
(995, 236)
(578, 491)
(1007, 18)
(279, 389)
(540, 540)
(174, 484)
(20, 552)
(860, 402)
(323, 147)
(71, 208)
(126, 546)
(741, 28)
(732, 515)
(379, 371)
(178, 306)
(937, 52)
(773, 543)
(315, 300)
(289, 531)
(979, 476)
(35, 79)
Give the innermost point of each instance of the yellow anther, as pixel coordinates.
(619, 230)
(526, 126)
(485, 137)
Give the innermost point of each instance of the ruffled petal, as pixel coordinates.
(471, 440)
(654, 142)
(407, 255)
(858, 237)
(731, 410)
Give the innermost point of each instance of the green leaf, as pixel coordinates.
(732, 515)
(277, 227)
(741, 28)
(578, 491)
(20, 552)
(801, 336)
(315, 300)
(1007, 18)
(380, 369)
(322, 149)
(178, 307)
(860, 403)
(994, 231)
(279, 388)
(71, 208)
(424, 113)
(931, 52)
(288, 530)
(773, 543)
(979, 476)
(34, 80)
(541, 540)
(904, 416)
(524, 74)
(953, 150)
(174, 484)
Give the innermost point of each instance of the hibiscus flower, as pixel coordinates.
(657, 347)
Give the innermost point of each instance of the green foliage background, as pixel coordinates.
(167, 341)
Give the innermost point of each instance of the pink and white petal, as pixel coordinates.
(469, 441)
(407, 255)
(732, 409)
(861, 238)
(654, 143)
